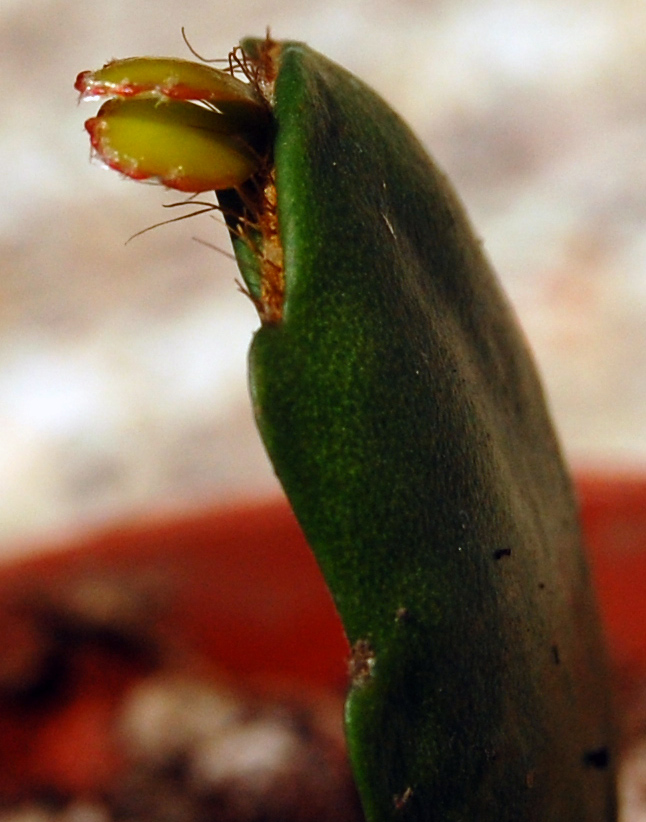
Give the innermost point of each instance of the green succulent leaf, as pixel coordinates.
(403, 415)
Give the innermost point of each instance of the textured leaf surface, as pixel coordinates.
(405, 421)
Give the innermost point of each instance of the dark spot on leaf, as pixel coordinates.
(597, 758)
(541, 586)
(502, 552)
(362, 660)
(555, 654)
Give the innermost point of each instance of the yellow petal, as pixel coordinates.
(168, 77)
(180, 144)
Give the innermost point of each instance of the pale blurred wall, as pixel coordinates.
(122, 367)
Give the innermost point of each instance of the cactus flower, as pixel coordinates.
(189, 126)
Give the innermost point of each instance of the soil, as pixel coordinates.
(103, 718)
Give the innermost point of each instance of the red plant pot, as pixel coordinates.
(613, 513)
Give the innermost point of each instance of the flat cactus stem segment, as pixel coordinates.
(404, 418)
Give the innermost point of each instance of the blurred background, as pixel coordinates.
(122, 367)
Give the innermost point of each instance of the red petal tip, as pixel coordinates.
(82, 82)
